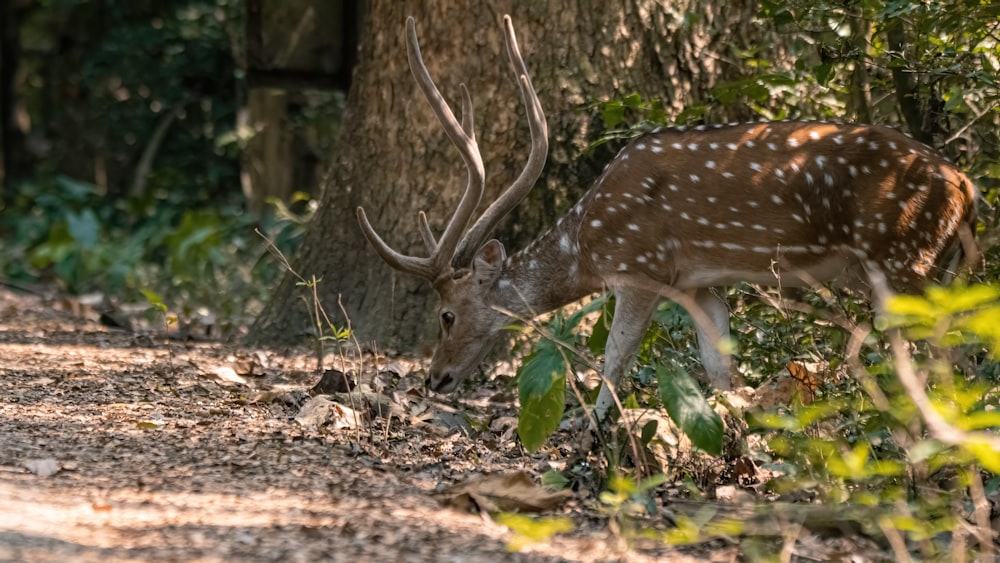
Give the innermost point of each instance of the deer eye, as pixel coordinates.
(447, 319)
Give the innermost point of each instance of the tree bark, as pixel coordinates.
(907, 87)
(393, 159)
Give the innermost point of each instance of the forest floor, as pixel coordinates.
(126, 446)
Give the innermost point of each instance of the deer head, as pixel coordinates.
(469, 322)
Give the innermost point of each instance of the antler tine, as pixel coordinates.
(517, 191)
(422, 267)
(460, 134)
(464, 138)
(426, 233)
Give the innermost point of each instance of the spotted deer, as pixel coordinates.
(680, 211)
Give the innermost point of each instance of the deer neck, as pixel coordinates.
(549, 273)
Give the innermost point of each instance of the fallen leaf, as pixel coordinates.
(320, 410)
(505, 492)
(294, 397)
(41, 381)
(43, 467)
(333, 381)
(227, 374)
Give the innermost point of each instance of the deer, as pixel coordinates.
(678, 213)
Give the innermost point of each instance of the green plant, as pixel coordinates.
(915, 466)
(627, 498)
(542, 377)
(63, 231)
(528, 530)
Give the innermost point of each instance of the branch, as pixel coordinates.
(939, 428)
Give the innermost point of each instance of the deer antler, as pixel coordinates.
(464, 137)
(443, 251)
(532, 169)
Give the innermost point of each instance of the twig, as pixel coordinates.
(979, 115)
(939, 428)
(152, 147)
(981, 512)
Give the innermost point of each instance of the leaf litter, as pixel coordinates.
(127, 446)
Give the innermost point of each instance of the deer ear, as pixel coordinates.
(488, 262)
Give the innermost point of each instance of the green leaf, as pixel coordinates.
(598, 341)
(541, 385)
(540, 416)
(554, 480)
(75, 190)
(528, 530)
(613, 114)
(648, 432)
(154, 299)
(542, 368)
(574, 320)
(689, 409)
(84, 228)
(692, 113)
(980, 420)
(633, 101)
(824, 73)
(984, 452)
(961, 299)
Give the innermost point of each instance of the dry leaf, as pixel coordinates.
(226, 374)
(505, 492)
(43, 467)
(333, 381)
(320, 410)
(41, 381)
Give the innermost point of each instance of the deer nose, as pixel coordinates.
(441, 383)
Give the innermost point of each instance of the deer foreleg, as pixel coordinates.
(633, 311)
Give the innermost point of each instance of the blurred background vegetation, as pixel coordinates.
(143, 142)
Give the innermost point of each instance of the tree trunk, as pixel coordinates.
(393, 159)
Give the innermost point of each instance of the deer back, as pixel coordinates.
(714, 205)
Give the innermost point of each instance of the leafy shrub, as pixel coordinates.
(880, 450)
(65, 231)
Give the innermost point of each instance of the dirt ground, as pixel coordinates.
(122, 445)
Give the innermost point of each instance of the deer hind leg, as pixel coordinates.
(711, 322)
(633, 311)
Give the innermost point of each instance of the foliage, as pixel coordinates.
(528, 530)
(141, 98)
(67, 231)
(851, 447)
(542, 378)
(626, 498)
(685, 404)
(102, 79)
